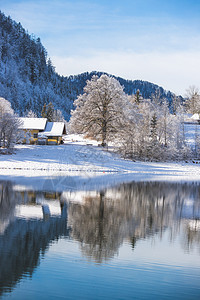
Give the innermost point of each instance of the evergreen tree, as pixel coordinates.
(154, 128)
(44, 111)
(50, 112)
(137, 97)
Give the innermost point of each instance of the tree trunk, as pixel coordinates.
(104, 134)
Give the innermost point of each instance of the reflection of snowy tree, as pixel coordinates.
(191, 238)
(98, 226)
(8, 201)
(131, 211)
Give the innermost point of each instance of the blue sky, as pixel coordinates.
(153, 40)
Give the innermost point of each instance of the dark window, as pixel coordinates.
(35, 135)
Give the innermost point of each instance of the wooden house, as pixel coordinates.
(31, 128)
(53, 133)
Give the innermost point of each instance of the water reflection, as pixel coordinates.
(100, 222)
(132, 212)
(24, 240)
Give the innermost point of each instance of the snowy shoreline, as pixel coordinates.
(77, 166)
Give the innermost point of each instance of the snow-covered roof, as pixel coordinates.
(54, 129)
(195, 117)
(33, 123)
(189, 118)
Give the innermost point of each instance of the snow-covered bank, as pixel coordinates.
(76, 166)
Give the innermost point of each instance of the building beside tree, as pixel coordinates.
(31, 127)
(40, 131)
(53, 133)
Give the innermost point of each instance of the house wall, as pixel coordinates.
(29, 135)
(54, 140)
(30, 139)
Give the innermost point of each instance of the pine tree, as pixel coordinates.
(137, 97)
(44, 111)
(154, 128)
(50, 112)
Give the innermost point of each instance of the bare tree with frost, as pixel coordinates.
(58, 116)
(31, 114)
(5, 107)
(100, 109)
(193, 100)
(9, 124)
(152, 133)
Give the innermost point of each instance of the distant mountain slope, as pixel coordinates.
(147, 89)
(28, 79)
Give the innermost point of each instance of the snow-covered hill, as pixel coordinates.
(28, 78)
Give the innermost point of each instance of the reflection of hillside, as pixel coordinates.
(8, 200)
(23, 243)
(131, 211)
(25, 240)
(11, 197)
(100, 222)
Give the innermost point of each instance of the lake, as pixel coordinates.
(137, 240)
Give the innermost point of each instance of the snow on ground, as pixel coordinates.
(80, 164)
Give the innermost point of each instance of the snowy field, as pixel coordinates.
(81, 164)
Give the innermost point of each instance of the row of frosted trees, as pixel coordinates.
(139, 128)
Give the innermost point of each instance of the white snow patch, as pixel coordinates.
(78, 166)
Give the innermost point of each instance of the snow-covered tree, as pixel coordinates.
(58, 116)
(9, 124)
(152, 132)
(193, 100)
(5, 107)
(176, 104)
(9, 130)
(44, 111)
(127, 138)
(52, 115)
(31, 114)
(164, 127)
(50, 112)
(136, 98)
(100, 109)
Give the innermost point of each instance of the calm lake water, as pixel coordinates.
(135, 241)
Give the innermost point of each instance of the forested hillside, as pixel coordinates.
(28, 78)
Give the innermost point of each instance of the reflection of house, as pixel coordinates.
(31, 128)
(52, 135)
(39, 131)
(24, 242)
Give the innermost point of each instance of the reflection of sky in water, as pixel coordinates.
(137, 239)
(142, 272)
